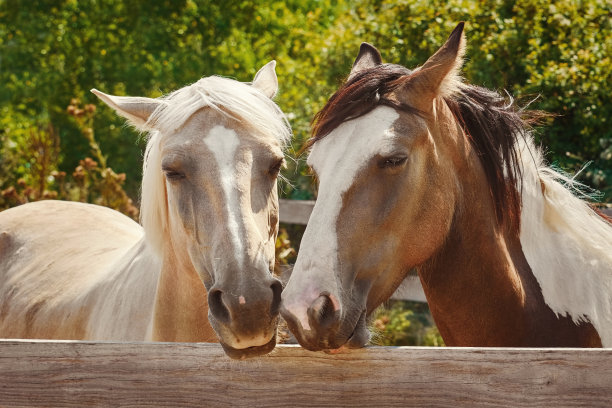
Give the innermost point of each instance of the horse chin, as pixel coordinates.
(359, 338)
(361, 335)
(248, 352)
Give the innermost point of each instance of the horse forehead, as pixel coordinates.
(352, 143)
(209, 132)
(223, 143)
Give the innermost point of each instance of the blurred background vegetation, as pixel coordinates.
(54, 143)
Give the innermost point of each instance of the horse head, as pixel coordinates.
(417, 169)
(382, 154)
(209, 197)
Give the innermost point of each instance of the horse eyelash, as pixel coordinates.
(276, 168)
(173, 174)
(391, 162)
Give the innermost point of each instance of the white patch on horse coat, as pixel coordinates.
(567, 246)
(224, 143)
(337, 159)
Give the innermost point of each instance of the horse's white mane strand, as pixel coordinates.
(153, 207)
(232, 98)
(566, 244)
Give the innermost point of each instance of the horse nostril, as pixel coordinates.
(322, 311)
(217, 307)
(277, 289)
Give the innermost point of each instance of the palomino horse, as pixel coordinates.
(203, 256)
(417, 169)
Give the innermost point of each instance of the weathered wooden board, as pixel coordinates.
(295, 211)
(410, 289)
(80, 374)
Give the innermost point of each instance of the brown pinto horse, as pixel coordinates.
(200, 264)
(418, 169)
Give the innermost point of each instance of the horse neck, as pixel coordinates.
(123, 301)
(472, 286)
(181, 306)
(480, 287)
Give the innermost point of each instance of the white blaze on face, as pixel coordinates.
(224, 143)
(337, 160)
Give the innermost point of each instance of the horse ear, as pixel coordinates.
(440, 75)
(265, 79)
(368, 57)
(136, 109)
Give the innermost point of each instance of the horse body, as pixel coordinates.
(53, 288)
(200, 264)
(417, 170)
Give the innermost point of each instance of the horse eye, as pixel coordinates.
(173, 175)
(276, 167)
(391, 162)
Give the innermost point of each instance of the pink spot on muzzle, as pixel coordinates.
(241, 300)
(334, 301)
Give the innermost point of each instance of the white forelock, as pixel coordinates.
(235, 99)
(153, 207)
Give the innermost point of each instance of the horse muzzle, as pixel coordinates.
(246, 324)
(322, 326)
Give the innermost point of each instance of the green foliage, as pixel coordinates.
(404, 323)
(285, 249)
(559, 50)
(34, 153)
(52, 51)
(29, 152)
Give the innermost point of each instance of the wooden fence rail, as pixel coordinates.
(81, 374)
(295, 211)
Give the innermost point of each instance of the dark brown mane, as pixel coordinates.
(362, 93)
(491, 122)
